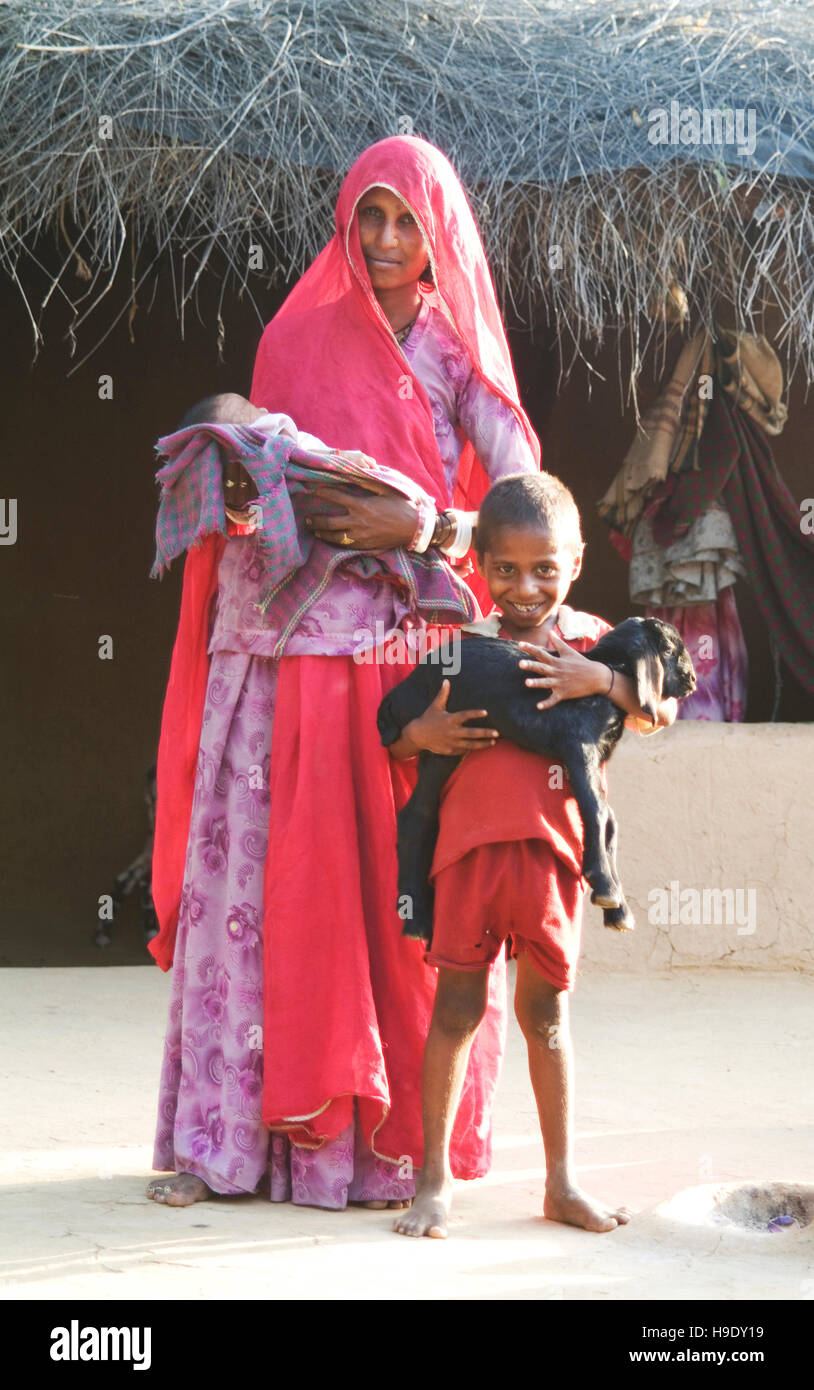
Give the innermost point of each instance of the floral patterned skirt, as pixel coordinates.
(212, 1074)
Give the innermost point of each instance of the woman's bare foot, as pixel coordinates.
(568, 1203)
(180, 1190)
(429, 1213)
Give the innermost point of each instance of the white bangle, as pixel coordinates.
(426, 526)
(459, 544)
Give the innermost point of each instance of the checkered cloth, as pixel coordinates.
(737, 469)
(299, 565)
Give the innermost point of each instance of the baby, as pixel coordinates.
(228, 408)
(329, 516)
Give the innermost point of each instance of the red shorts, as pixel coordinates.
(516, 887)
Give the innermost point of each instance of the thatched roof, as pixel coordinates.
(232, 124)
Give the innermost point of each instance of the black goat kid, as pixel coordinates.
(580, 734)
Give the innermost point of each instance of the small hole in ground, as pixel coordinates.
(770, 1207)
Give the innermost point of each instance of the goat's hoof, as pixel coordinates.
(606, 898)
(619, 918)
(417, 931)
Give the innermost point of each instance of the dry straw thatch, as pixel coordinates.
(233, 122)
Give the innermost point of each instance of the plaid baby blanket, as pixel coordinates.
(299, 565)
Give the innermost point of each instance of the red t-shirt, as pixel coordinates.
(506, 793)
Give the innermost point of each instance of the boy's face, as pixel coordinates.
(529, 571)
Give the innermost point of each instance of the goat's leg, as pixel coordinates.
(584, 774)
(417, 837)
(618, 918)
(611, 841)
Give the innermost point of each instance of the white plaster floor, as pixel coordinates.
(683, 1078)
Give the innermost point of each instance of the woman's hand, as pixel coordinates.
(372, 522)
(435, 731)
(568, 674)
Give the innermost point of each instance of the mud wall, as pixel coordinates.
(716, 849)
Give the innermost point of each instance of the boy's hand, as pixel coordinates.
(435, 731)
(568, 674)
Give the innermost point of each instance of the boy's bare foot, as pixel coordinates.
(180, 1190)
(568, 1203)
(429, 1213)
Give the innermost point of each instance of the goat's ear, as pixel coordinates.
(648, 674)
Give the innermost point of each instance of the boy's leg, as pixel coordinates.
(460, 1003)
(542, 1012)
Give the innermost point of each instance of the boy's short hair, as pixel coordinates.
(224, 408)
(529, 499)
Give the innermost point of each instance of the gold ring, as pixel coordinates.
(346, 540)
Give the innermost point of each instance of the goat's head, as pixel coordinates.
(652, 653)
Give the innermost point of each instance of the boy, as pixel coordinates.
(509, 849)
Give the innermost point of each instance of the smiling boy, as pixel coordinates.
(509, 851)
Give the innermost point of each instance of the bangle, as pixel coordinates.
(613, 678)
(461, 542)
(425, 526)
(445, 529)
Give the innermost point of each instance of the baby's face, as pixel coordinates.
(529, 572)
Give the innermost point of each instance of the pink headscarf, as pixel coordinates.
(329, 358)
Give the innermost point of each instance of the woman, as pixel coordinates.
(391, 343)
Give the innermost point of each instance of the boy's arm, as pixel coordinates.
(436, 731)
(404, 746)
(624, 695)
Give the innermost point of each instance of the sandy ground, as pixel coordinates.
(684, 1078)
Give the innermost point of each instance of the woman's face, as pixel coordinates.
(392, 244)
